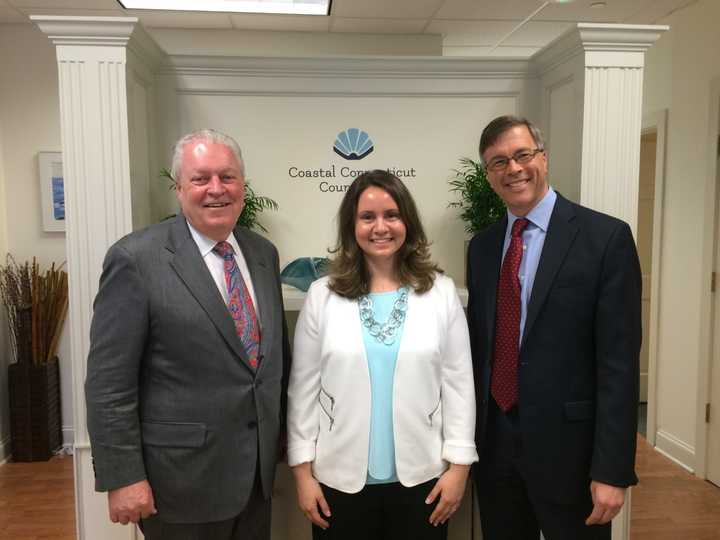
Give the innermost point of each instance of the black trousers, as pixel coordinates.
(381, 512)
(253, 523)
(508, 510)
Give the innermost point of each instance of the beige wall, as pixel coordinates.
(29, 123)
(4, 338)
(680, 71)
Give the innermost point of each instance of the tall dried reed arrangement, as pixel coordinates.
(36, 305)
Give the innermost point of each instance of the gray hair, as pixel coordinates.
(497, 127)
(208, 135)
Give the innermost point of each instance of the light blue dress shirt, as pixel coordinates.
(381, 364)
(533, 238)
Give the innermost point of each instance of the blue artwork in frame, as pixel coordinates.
(58, 197)
(52, 191)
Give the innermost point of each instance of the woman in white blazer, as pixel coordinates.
(381, 404)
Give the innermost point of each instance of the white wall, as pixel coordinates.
(680, 70)
(413, 135)
(30, 123)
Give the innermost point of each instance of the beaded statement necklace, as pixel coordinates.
(387, 332)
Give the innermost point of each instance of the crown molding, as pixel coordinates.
(90, 31)
(606, 45)
(144, 47)
(394, 67)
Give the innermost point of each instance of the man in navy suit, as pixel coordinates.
(554, 314)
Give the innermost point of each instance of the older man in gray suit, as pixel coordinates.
(188, 362)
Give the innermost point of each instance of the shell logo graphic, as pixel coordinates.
(353, 143)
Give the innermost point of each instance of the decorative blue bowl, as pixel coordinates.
(301, 272)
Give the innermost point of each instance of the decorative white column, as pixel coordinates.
(604, 65)
(91, 54)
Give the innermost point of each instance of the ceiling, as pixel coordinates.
(468, 27)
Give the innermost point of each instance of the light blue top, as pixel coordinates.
(381, 364)
(533, 241)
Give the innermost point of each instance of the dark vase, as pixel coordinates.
(35, 427)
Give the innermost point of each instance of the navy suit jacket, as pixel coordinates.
(579, 357)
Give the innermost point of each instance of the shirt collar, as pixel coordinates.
(206, 245)
(540, 214)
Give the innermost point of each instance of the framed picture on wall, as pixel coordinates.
(52, 191)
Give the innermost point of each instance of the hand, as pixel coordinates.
(451, 488)
(607, 502)
(131, 503)
(310, 495)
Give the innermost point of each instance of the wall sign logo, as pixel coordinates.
(353, 144)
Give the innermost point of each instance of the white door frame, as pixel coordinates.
(711, 248)
(655, 121)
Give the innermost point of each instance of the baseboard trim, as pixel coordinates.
(675, 449)
(68, 436)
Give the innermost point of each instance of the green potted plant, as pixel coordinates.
(36, 304)
(479, 205)
(254, 204)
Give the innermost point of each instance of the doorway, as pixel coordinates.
(649, 241)
(646, 203)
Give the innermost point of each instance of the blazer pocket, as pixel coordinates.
(174, 434)
(577, 411)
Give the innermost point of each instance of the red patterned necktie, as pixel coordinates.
(240, 303)
(504, 383)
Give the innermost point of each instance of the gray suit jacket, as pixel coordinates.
(170, 394)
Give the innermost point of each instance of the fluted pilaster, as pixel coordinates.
(611, 141)
(91, 54)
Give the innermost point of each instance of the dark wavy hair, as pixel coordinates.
(349, 276)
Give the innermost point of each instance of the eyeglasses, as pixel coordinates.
(521, 157)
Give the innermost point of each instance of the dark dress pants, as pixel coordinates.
(508, 510)
(253, 523)
(381, 512)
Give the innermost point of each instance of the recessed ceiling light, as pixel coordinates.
(598, 5)
(293, 7)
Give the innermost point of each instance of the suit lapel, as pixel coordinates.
(494, 260)
(263, 281)
(192, 270)
(560, 235)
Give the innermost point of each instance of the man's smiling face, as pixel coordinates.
(521, 186)
(211, 188)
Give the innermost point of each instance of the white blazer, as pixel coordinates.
(329, 393)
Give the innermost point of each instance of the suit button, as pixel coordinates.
(252, 424)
